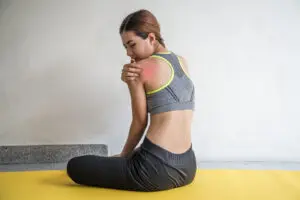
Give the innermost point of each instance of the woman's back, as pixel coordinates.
(171, 130)
(170, 98)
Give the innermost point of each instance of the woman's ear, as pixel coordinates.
(152, 38)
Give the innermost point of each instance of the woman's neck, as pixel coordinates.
(161, 49)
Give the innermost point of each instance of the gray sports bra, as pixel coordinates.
(177, 94)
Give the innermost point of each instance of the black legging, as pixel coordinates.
(149, 168)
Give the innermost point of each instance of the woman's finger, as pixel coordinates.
(132, 65)
(132, 70)
(137, 70)
(135, 66)
(130, 78)
(131, 74)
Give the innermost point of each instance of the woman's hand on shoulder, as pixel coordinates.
(140, 71)
(131, 72)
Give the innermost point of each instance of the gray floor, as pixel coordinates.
(45, 157)
(201, 165)
(32, 167)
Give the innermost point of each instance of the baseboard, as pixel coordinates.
(33, 154)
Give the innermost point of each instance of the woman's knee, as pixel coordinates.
(73, 167)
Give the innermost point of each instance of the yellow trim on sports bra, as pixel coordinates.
(172, 76)
(181, 65)
(164, 52)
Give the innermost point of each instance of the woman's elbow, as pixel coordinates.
(140, 121)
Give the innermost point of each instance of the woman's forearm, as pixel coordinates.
(136, 132)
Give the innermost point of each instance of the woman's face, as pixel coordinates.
(138, 48)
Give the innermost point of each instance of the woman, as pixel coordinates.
(159, 84)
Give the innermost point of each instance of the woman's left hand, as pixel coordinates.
(131, 72)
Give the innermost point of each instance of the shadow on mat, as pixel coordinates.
(61, 180)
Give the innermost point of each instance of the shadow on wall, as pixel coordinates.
(63, 101)
(74, 101)
(4, 4)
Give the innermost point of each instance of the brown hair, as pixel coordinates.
(142, 22)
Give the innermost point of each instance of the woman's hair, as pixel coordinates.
(142, 22)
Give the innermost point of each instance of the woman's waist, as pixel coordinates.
(172, 123)
(169, 131)
(172, 119)
(167, 156)
(174, 138)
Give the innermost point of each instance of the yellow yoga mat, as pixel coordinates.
(208, 185)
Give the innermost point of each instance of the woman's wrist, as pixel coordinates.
(124, 153)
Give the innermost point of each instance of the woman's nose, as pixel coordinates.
(129, 53)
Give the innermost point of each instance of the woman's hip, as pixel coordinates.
(154, 168)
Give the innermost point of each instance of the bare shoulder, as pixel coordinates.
(149, 62)
(152, 67)
(156, 72)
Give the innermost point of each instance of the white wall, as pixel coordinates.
(60, 64)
